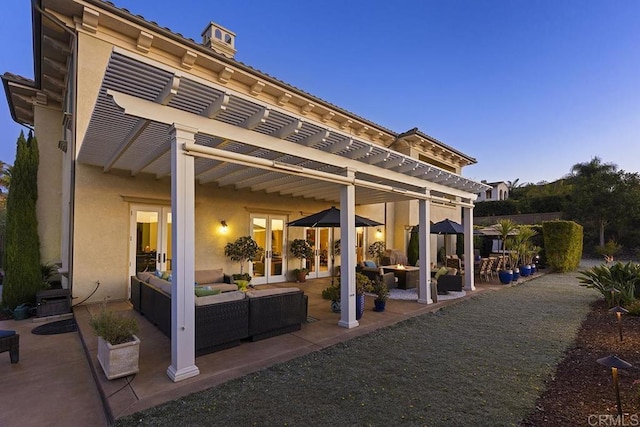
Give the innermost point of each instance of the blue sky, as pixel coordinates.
(527, 87)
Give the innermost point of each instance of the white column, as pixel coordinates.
(469, 259)
(183, 330)
(424, 242)
(348, 256)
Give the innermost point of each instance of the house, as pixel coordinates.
(498, 191)
(159, 150)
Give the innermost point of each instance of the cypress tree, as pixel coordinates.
(23, 278)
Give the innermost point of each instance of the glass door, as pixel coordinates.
(269, 266)
(150, 239)
(320, 264)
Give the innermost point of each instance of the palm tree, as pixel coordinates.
(505, 227)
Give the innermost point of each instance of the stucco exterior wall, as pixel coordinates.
(49, 205)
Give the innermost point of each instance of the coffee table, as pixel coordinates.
(408, 277)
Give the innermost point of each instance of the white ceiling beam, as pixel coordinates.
(218, 106)
(341, 145)
(378, 158)
(407, 166)
(255, 120)
(169, 115)
(312, 187)
(162, 149)
(233, 177)
(359, 152)
(273, 181)
(163, 98)
(315, 138)
(288, 130)
(292, 185)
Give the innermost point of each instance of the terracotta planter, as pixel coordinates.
(119, 360)
(301, 277)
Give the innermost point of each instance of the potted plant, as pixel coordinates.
(332, 293)
(118, 346)
(505, 228)
(301, 249)
(382, 294)
(376, 250)
(242, 250)
(363, 284)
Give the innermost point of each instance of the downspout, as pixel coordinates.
(72, 107)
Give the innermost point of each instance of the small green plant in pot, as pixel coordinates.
(376, 250)
(332, 293)
(242, 250)
(118, 346)
(382, 294)
(301, 249)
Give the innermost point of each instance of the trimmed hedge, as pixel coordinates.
(562, 244)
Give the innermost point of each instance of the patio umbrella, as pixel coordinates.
(330, 218)
(446, 226)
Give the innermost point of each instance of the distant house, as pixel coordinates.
(498, 191)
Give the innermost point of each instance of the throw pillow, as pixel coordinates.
(242, 284)
(203, 291)
(441, 272)
(452, 271)
(370, 264)
(165, 276)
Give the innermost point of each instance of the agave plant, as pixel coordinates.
(618, 279)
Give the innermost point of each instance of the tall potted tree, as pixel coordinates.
(301, 249)
(505, 228)
(242, 250)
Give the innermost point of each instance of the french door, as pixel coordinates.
(269, 266)
(150, 239)
(321, 263)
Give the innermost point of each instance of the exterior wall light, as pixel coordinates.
(224, 226)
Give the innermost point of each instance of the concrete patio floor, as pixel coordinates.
(59, 381)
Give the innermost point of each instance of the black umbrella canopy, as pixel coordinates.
(330, 218)
(446, 226)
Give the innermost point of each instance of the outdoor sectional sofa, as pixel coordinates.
(225, 319)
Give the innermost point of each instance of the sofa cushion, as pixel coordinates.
(223, 297)
(267, 292)
(163, 285)
(452, 271)
(204, 291)
(144, 276)
(442, 271)
(209, 276)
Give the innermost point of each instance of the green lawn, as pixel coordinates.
(479, 362)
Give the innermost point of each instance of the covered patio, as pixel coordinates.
(150, 118)
(150, 386)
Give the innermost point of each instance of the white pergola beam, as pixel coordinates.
(216, 107)
(164, 114)
(255, 120)
(165, 96)
(288, 130)
(315, 138)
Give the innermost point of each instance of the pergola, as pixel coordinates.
(153, 118)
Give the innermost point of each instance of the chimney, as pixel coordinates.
(219, 39)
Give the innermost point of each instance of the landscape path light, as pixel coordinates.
(619, 311)
(615, 363)
(613, 291)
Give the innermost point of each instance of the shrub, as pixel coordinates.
(112, 328)
(22, 279)
(624, 278)
(243, 249)
(331, 293)
(562, 244)
(634, 308)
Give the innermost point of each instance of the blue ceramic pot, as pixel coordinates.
(379, 305)
(359, 306)
(525, 270)
(506, 276)
(516, 275)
